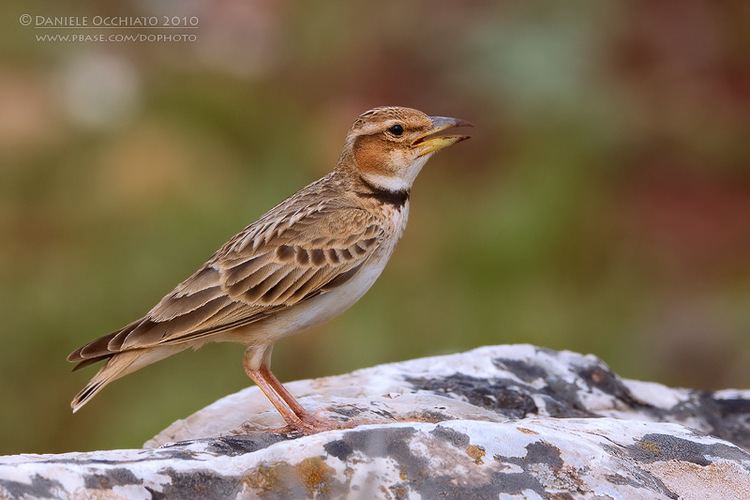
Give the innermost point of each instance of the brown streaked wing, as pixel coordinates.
(302, 259)
(264, 274)
(98, 347)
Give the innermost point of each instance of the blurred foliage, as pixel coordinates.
(602, 206)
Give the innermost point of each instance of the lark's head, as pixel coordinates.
(390, 145)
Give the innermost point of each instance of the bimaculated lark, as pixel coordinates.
(305, 261)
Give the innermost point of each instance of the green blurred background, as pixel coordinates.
(602, 206)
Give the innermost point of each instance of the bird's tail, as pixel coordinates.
(117, 366)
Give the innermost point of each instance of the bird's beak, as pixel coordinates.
(430, 142)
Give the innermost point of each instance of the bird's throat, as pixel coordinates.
(396, 198)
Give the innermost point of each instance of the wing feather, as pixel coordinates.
(289, 255)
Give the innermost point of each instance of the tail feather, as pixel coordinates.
(116, 367)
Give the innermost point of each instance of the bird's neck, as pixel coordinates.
(394, 197)
(385, 189)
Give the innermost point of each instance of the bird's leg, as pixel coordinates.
(296, 417)
(311, 423)
(289, 415)
(282, 392)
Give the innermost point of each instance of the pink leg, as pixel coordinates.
(287, 413)
(289, 408)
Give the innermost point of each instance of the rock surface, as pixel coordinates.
(494, 422)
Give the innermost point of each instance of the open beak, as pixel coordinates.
(431, 142)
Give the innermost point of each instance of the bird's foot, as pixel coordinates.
(309, 424)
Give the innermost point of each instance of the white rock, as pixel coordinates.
(495, 422)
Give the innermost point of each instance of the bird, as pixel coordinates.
(300, 264)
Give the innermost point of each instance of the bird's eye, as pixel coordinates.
(396, 129)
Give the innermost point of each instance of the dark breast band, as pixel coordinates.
(395, 198)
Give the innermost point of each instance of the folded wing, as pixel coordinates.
(273, 264)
